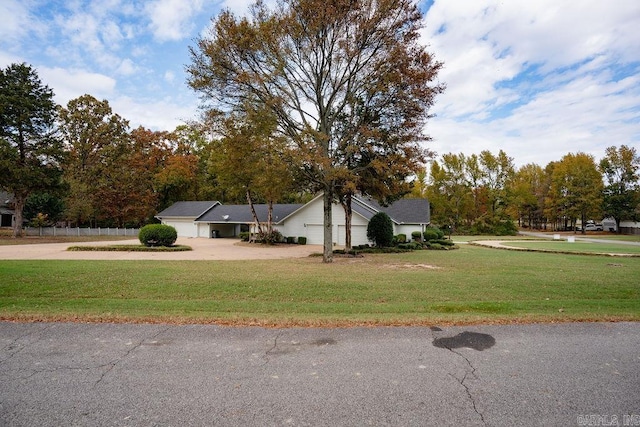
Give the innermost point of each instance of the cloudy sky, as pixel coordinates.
(537, 79)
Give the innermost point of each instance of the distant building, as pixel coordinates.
(7, 214)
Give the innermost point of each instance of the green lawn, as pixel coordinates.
(577, 246)
(471, 284)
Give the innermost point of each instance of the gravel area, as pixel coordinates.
(203, 249)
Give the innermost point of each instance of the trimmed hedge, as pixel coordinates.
(157, 235)
(302, 240)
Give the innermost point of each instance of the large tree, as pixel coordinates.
(576, 185)
(94, 137)
(318, 64)
(30, 152)
(620, 167)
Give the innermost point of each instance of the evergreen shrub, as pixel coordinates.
(380, 230)
(158, 235)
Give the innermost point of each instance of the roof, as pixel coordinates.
(241, 214)
(403, 211)
(187, 209)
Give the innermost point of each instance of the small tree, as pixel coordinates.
(380, 230)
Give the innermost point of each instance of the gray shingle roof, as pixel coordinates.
(241, 214)
(187, 209)
(407, 211)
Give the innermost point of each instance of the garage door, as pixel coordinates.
(184, 228)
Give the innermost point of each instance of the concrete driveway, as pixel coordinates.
(65, 374)
(203, 249)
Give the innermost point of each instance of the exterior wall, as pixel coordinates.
(186, 227)
(407, 229)
(308, 222)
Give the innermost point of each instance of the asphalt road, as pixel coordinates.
(64, 374)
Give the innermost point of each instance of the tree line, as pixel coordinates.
(485, 193)
(309, 96)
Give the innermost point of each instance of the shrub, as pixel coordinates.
(302, 240)
(291, 239)
(270, 238)
(401, 238)
(430, 234)
(157, 235)
(416, 235)
(433, 233)
(244, 236)
(380, 229)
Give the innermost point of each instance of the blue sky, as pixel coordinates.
(536, 79)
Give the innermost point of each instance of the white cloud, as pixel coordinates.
(68, 84)
(159, 115)
(171, 19)
(537, 79)
(127, 68)
(16, 21)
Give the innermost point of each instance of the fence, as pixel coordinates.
(78, 231)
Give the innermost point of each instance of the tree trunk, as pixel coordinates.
(19, 202)
(348, 214)
(253, 211)
(270, 217)
(327, 254)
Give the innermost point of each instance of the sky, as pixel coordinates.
(537, 79)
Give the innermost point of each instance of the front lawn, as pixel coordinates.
(469, 285)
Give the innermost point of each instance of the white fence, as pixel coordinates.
(78, 231)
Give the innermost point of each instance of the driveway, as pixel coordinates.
(65, 374)
(203, 249)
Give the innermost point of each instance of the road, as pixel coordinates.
(68, 374)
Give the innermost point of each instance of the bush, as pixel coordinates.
(270, 238)
(429, 235)
(158, 235)
(401, 238)
(302, 240)
(433, 233)
(244, 236)
(416, 235)
(291, 239)
(380, 230)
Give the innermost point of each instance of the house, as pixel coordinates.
(7, 214)
(213, 219)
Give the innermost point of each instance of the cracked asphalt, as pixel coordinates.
(71, 374)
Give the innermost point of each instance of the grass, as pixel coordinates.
(469, 285)
(6, 239)
(577, 246)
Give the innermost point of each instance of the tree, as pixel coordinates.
(450, 194)
(251, 159)
(622, 193)
(577, 184)
(109, 170)
(380, 230)
(319, 64)
(30, 151)
(94, 138)
(44, 205)
(526, 195)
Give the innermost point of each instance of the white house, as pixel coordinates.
(213, 219)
